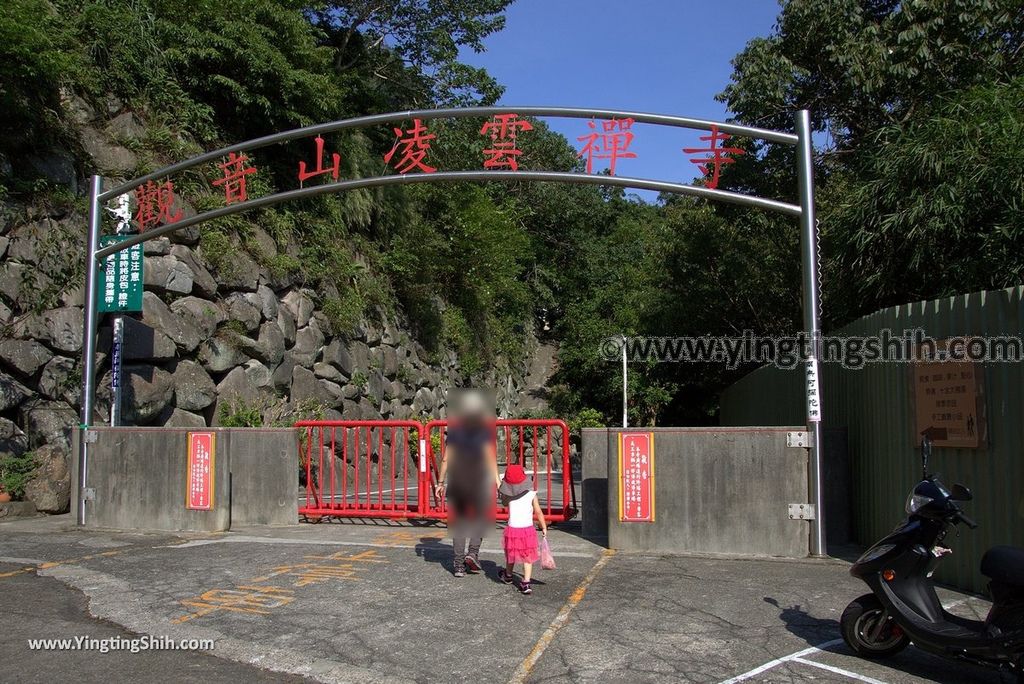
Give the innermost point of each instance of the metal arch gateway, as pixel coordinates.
(801, 139)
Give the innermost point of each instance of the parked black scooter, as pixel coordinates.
(903, 606)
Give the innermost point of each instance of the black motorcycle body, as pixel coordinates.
(904, 607)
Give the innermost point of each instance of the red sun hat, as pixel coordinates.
(515, 474)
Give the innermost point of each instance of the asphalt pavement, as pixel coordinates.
(377, 602)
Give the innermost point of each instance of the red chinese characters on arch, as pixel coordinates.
(716, 156)
(502, 129)
(414, 145)
(611, 142)
(155, 205)
(235, 170)
(320, 169)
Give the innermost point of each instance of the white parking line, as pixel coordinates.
(799, 658)
(779, 661)
(838, 671)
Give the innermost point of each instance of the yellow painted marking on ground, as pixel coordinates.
(243, 599)
(256, 596)
(399, 538)
(525, 667)
(72, 561)
(12, 573)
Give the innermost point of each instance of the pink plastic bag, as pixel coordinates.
(547, 561)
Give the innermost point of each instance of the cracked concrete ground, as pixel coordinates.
(378, 603)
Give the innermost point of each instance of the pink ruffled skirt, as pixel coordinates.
(521, 545)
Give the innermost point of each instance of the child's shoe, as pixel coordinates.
(505, 576)
(525, 588)
(472, 564)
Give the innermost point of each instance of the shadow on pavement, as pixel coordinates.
(574, 528)
(431, 550)
(800, 623)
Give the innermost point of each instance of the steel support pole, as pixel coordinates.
(625, 385)
(812, 326)
(92, 244)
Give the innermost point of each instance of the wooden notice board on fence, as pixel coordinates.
(948, 394)
(636, 476)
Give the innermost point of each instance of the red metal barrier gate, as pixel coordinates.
(388, 468)
(361, 468)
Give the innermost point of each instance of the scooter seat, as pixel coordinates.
(1004, 564)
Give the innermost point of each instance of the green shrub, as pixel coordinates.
(586, 418)
(268, 411)
(15, 473)
(283, 264)
(216, 249)
(344, 312)
(237, 412)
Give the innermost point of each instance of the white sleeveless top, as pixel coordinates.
(520, 511)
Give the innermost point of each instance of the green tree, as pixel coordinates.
(861, 64)
(388, 41)
(935, 207)
(919, 170)
(37, 61)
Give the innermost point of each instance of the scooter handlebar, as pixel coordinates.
(960, 517)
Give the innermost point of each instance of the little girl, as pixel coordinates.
(520, 540)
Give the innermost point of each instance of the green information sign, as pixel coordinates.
(121, 277)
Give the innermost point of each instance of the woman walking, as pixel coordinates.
(470, 465)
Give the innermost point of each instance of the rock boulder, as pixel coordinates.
(60, 329)
(147, 392)
(24, 357)
(49, 422)
(199, 314)
(194, 389)
(50, 486)
(167, 274)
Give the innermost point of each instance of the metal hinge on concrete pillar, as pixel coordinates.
(798, 439)
(89, 494)
(802, 511)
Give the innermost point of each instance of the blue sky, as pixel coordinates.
(664, 56)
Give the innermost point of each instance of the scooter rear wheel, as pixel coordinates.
(863, 633)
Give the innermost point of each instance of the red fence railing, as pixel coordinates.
(388, 468)
(361, 468)
(541, 446)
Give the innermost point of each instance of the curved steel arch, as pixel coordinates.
(801, 139)
(450, 176)
(454, 113)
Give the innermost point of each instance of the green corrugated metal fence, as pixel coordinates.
(875, 404)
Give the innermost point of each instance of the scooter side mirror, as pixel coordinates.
(960, 493)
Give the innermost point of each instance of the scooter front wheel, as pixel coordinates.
(869, 631)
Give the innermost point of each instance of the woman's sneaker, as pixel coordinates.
(525, 588)
(472, 564)
(505, 576)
